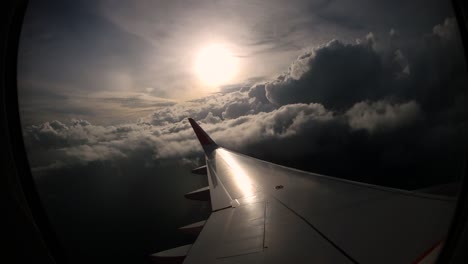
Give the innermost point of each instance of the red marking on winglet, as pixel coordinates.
(201, 134)
(429, 251)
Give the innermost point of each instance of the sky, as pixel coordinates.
(373, 92)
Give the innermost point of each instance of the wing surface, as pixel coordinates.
(267, 213)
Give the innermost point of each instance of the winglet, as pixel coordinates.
(206, 142)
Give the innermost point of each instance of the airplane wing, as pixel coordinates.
(267, 213)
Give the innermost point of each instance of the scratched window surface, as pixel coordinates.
(364, 91)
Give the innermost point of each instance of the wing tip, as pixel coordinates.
(202, 136)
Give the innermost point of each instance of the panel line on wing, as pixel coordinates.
(237, 255)
(318, 232)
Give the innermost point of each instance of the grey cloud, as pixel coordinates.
(258, 92)
(79, 122)
(55, 165)
(336, 75)
(235, 110)
(339, 75)
(229, 104)
(84, 142)
(402, 61)
(55, 134)
(447, 30)
(393, 33)
(88, 153)
(300, 131)
(210, 118)
(280, 123)
(382, 115)
(47, 135)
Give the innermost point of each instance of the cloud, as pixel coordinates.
(349, 104)
(339, 75)
(87, 153)
(402, 61)
(335, 74)
(258, 93)
(235, 110)
(447, 30)
(393, 33)
(280, 123)
(84, 142)
(211, 119)
(382, 115)
(231, 104)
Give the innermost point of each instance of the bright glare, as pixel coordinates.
(215, 65)
(241, 179)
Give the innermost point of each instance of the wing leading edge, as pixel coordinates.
(267, 213)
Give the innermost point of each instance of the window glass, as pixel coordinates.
(359, 90)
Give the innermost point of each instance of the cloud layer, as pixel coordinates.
(386, 114)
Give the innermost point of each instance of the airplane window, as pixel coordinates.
(368, 97)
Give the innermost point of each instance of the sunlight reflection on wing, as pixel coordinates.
(240, 178)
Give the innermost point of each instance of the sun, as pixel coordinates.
(215, 65)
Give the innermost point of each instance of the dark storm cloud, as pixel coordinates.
(340, 75)
(337, 75)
